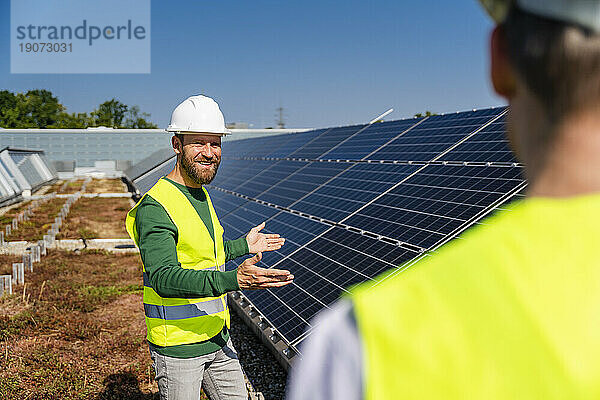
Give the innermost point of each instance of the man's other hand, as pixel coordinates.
(250, 276)
(259, 242)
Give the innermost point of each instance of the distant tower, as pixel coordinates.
(280, 121)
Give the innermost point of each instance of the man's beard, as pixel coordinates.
(198, 174)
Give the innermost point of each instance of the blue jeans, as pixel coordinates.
(218, 373)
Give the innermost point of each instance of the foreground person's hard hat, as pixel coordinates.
(198, 114)
(585, 13)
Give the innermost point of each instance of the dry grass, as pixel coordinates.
(55, 187)
(39, 223)
(6, 262)
(105, 186)
(93, 218)
(72, 187)
(76, 331)
(8, 216)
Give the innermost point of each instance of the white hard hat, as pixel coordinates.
(198, 114)
(585, 13)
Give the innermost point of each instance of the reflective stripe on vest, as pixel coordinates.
(184, 311)
(175, 321)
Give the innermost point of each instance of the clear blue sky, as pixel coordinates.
(326, 62)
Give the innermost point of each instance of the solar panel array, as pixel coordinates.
(21, 172)
(356, 201)
(148, 171)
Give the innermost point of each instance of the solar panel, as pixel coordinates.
(27, 169)
(144, 182)
(291, 143)
(488, 145)
(351, 189)
(302, 181)
(262, 146)
(324, 269)
(281, 314)
(327, 141)
(245, 217)
(268, 177)
(9, 191)
(233, 173)
(435, 202)
(433, 136)
(30, 169)
(296, 229)
(225, 203)
(369, 140)
(148, 163)
(239, 148)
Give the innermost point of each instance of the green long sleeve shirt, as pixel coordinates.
(157, 244)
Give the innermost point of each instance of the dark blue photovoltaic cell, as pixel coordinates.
(149, 163)
(292, 142)
(322, 270)
(281, 315)
(254, 147)
(239, 222)
(434, 135)
(296, 230)
(224, 203)
(353, 258)
(352, 189)
(269, 177)
(227, 169)
(436, 202)
(233, 173)
(249, 215)
(372, 138)
(362, 246)
(238, 148)
(326, 142)
(488, 145)
(245, 217)
(301, 182)
(147, 180)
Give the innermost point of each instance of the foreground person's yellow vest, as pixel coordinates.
(175, 321)
(510, 312)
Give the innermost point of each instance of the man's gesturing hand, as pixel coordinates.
(250, 276)
(258, 242)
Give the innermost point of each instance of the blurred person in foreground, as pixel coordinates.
(511, 311)
(183, 253)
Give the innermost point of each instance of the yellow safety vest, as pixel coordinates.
(512, 311)
(175, 321)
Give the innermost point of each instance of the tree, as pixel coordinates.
(34, 109)
(72, 121)
(427, 114)
(40, 109)
(8, 102)
(110, 114)
(135, 119)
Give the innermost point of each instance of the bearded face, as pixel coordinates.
(200, 164)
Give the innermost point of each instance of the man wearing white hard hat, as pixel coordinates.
(511, 311)
(183, 253)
